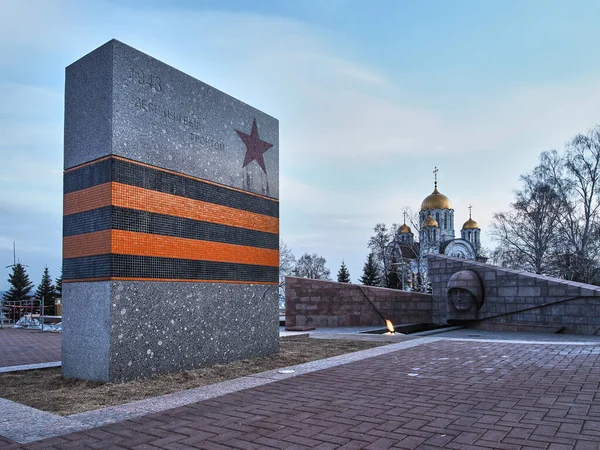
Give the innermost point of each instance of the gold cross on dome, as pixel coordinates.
(470, 207)
(404, 213)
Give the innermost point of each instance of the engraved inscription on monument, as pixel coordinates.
(172, 120)
(153, 105)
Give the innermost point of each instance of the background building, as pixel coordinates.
(436, 236)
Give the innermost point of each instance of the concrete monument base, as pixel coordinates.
(122, 330)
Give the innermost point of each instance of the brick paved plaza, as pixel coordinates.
(21, 346)
(457, 394)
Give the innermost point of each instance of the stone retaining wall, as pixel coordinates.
(519, 301)
(331, 304)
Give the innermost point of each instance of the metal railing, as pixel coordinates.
(12, 310)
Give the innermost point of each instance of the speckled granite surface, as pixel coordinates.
(154, 327)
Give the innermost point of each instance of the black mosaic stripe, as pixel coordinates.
(126, 172)
(116, 218)
(131, 266)
(87, 176)
(87, 221)
(87, 267)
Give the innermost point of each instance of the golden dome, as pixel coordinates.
(404, 229)
(430, 222)
(470, 225)
(436, 201)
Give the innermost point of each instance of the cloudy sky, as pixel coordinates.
(370, 97)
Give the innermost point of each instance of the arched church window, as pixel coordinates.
(445, 221)
(437, 217)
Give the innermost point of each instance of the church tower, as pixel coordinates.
(405, 233)
(471, 232)
(439, 208)
(430, 236)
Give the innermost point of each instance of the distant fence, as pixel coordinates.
(12, 310)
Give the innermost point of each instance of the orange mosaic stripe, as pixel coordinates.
(97, 243)
(142, 244)
(126, 196)
(87, 199)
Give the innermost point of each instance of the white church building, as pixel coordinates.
(437, 233)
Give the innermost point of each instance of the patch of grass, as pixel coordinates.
(47, 390)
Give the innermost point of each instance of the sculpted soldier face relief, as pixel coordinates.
(462, 299)
(465, 293)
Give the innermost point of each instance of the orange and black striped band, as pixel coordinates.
(128, 220)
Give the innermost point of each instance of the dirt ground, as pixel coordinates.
(45, 389)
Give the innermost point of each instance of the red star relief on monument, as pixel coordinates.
(255, 146)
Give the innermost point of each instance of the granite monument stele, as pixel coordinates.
(171, 221)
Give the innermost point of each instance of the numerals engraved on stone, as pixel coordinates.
(139, 76)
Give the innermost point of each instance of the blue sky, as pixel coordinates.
(370, 97)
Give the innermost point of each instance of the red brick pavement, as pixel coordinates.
(447, 394)
(22, 346)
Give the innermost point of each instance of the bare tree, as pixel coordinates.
(580, 224)
(378, 244)
(398, 262)
(575, 176)
(386, 251)
(287, 262)
(528, 234)
(312, 266)
(411, 258)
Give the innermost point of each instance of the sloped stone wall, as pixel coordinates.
(331, 304)
(518, 301)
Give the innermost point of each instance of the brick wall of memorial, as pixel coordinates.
(517, 300)
(330, 304)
